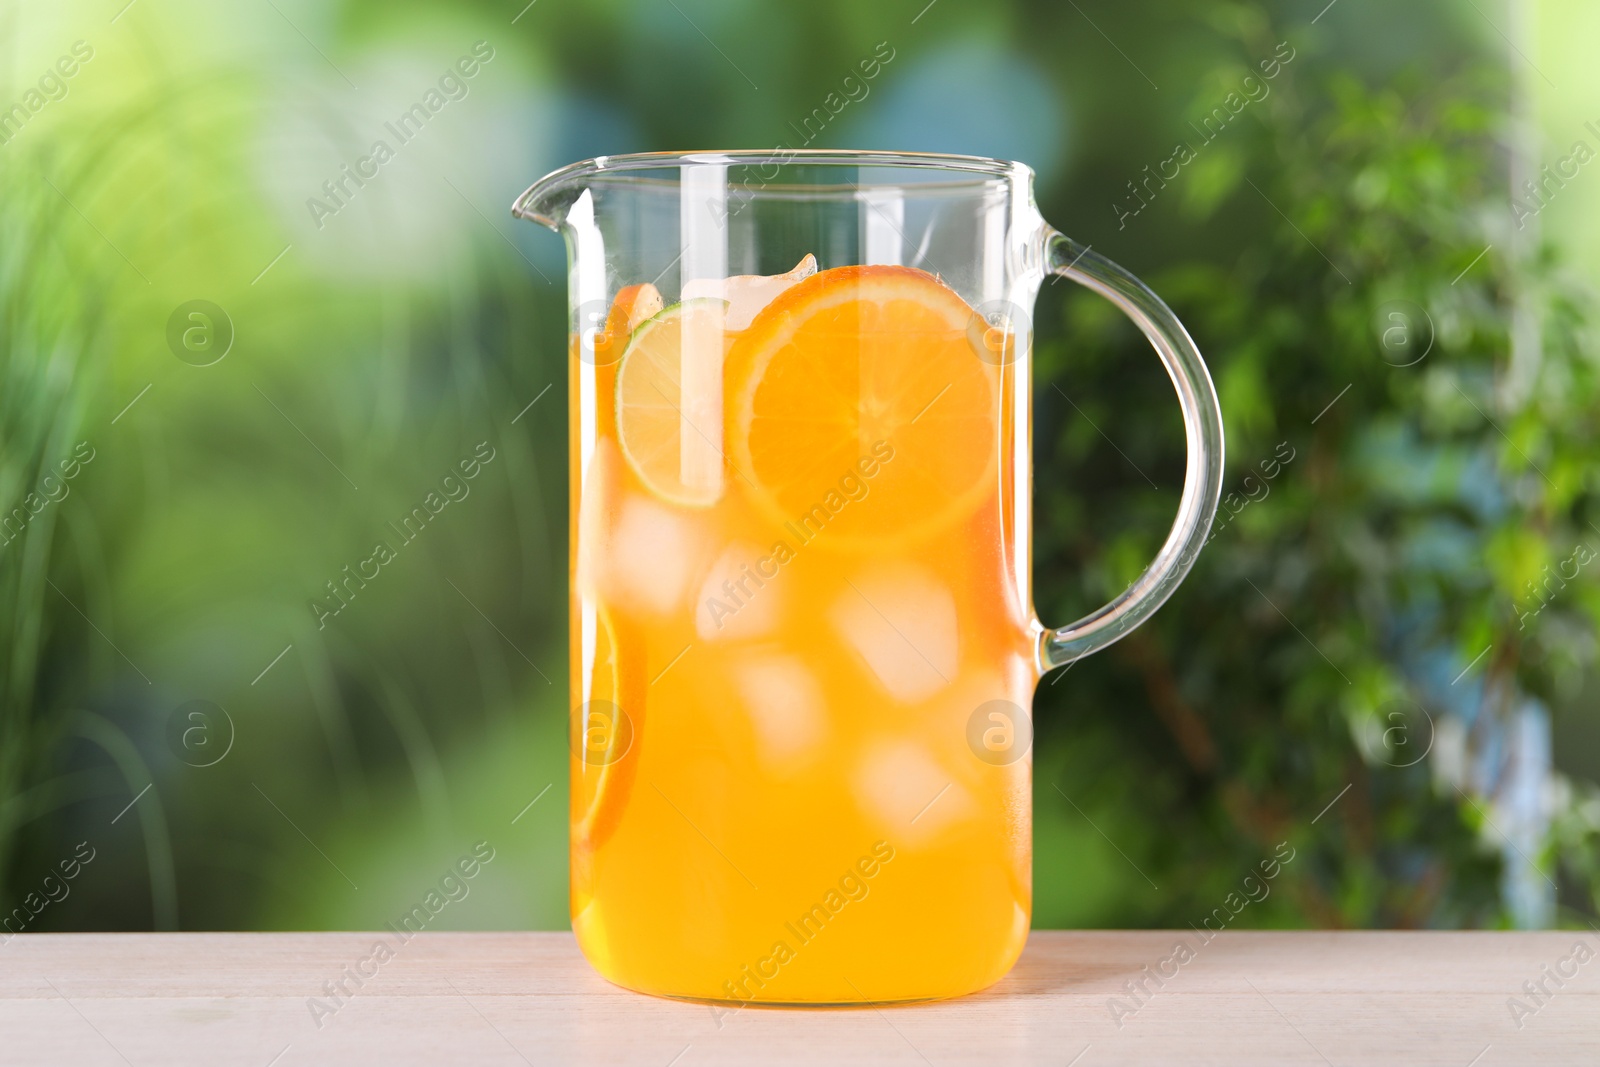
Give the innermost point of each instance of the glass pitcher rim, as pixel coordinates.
(620, 165)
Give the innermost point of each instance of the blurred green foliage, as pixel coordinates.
(1400, 487)
(374, 349)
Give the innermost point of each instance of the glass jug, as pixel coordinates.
(803, 647)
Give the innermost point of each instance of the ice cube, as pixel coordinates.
(747, 294)
(786, 708)
(650, 557)
(902, 622)
(907, 790)
(735, 600)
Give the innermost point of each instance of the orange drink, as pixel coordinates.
(801, 658)
(803, 647)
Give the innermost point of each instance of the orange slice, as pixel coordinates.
(633, 305)
(859, 409)
(605, 738)
(669, 402)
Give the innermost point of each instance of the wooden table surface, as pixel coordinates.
(449, 998)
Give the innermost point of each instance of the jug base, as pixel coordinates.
(728, 1005)
(847, 975)
(828, 999)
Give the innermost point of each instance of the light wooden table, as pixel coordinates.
(1246, 998)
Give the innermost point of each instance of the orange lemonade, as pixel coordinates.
(803, 649)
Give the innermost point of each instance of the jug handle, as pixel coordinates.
(1202, 425)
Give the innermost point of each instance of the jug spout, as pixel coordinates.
(548, 200)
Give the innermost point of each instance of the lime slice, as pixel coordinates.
(669, 402)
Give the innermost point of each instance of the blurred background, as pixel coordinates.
(214, 395)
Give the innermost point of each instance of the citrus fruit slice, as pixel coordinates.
(605, 734)
(858, 409)
(669, 402)
(633, 305)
